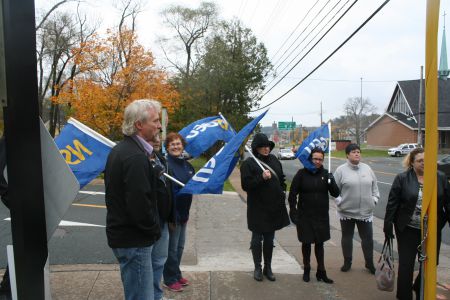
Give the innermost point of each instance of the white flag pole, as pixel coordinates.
(252, 155)
(329, 149)
(246, 147)
(173, 179)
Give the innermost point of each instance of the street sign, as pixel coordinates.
(286, 125)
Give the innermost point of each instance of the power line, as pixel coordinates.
(295, 29)
(329, 29)
(250, 22)
(271, 18)
(323, 27)
(327, 58)
(345, 80)
(318, 13)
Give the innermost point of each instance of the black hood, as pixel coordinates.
(261, 140)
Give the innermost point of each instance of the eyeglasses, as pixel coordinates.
(317, 159)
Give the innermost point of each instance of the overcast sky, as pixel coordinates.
(389, 48)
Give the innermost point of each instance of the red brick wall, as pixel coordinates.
(388, 132)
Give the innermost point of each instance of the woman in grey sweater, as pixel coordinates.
(355, 205)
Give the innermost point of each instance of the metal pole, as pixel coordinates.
(321, 120)
(361, 88)
(419, 117)
(174, 179)
(359, 117)
(423, 256)
(292, 131)
(23, 149)
(329, 150)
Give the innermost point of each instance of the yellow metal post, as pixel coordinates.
(429, 202)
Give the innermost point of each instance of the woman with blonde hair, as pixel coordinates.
(403, 213)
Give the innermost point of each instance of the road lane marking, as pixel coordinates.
(91, 193)
(89, 205)
(384, 182)
(386, 173)
(70, 223)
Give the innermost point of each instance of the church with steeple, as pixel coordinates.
(404, 119)
(443, 70)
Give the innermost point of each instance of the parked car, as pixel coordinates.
(444, 166)
(285, 154)
(402, 149)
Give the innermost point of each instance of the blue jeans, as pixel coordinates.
(177, 238)
(136, 272)
(159, 257)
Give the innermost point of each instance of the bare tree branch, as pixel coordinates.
(47, 15)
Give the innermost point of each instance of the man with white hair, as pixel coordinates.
(132, 221)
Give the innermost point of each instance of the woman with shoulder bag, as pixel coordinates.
(403, 212)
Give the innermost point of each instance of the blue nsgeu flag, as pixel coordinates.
(210, 178)
(202, 134)
(84, 150)
(317, 139)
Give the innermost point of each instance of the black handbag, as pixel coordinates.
(385, 273)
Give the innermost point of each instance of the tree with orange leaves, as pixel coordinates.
(114, 71)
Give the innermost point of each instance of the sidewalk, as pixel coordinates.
(219, 265)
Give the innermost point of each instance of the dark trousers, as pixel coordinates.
(318, 251)
(365, 232)
(259, 237)
(262, 244)
(407, 242)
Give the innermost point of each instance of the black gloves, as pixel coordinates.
(293, 215)
(388, 231)
(330, 176)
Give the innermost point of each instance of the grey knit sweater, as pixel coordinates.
(359, 191)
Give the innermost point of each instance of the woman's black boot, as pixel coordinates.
(321, 275)
(267, 271)
(306, 271)
(347, 265)
(306, 252)
(267, 253)
(257, 257)
(257, 273)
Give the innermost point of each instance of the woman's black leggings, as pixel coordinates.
(318, 251)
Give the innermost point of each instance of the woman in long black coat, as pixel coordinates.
(309, 205)
(266, 209)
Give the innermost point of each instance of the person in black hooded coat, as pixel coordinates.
(266, 209)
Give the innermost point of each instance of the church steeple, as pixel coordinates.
(443, 66)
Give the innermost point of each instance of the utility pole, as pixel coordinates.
(361, 88)
(293, 130)
(359, 117)
(321, 121)
(419, 117)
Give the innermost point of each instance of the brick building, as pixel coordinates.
(400, 123)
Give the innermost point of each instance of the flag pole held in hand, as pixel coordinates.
(173, 179)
